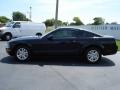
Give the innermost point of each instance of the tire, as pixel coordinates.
(22, 54)
(38, 34)
(92, 55)
(7, 37)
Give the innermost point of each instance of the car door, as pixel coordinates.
(76, 40)
(16, 29)
(61, 42)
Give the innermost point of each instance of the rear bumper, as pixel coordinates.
(110, 51)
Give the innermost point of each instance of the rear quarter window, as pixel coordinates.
(82, 33)
(90, 34)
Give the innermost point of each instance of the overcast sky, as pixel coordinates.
(45, 9)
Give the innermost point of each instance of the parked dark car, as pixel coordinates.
(62, 41)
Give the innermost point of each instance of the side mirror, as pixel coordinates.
(16, 26)
(39, 34)
(50, 37)
(13, 26)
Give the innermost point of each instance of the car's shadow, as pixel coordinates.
(59, 61)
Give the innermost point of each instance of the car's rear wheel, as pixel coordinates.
(92, 55)
(22, 53)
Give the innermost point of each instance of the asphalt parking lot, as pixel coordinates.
(58, 73)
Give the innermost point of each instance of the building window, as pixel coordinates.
(105, 27)
(111, 28)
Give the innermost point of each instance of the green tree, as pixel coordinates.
(65, 23)
(4, 19)
(18, 16)
(77, 21)
(51, 22)
(98, 21)
(114, 23)
(60, 23)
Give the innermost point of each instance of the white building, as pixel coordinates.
(112, 30)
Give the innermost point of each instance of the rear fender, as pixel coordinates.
(99, 46)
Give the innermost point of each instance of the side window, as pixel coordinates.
(62, 33)
(77, 33)
(59, 34)
(82, 33)
(89, 34)
(71, 33)
(17, 25)
(68, 33)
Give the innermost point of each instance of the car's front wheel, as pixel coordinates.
(7, 37)
(22, 53)
(92, 55)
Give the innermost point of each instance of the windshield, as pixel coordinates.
(46, 34)
(9, 24)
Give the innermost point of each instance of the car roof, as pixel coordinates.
(79, 29)
(73, 28)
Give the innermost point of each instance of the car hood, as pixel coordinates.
(26, 38)
(3, 28)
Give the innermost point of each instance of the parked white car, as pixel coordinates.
(21, 28)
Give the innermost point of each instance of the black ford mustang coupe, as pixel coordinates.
(70, 41)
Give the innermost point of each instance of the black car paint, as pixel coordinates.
(71, 45)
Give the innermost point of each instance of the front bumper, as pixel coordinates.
(9, 52)
(1, 34)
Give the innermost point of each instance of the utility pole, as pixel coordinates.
(30, 13)
(56, 14)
